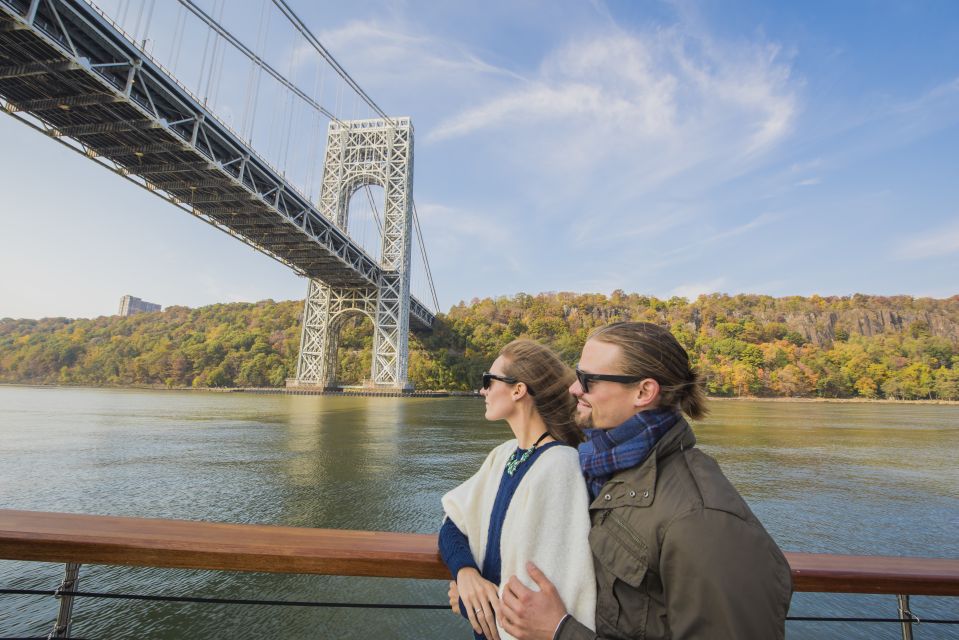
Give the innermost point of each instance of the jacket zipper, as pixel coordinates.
(629, 532)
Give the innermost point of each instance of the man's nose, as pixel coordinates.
(576, 389)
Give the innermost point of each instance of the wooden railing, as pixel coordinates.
(142, 542)
(183, 544)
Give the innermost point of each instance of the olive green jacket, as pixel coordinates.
(679, 555)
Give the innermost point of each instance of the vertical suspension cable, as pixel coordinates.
(136, 26)
(146, 26)
(247, 97)
(206, 47)
(252, 85)
(339, 99)
(178, 37)
(218, 8)
(253, 106)
(315, 132)
(124, 9)
(426, 263)
(219, 52)
(291, 120)
(285, 149)
(259, 75)
(276, 137)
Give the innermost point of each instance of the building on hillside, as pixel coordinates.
(130, 305)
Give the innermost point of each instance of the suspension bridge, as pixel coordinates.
(237, 147)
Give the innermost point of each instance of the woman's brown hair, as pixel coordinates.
(548, 379)
(651, 351)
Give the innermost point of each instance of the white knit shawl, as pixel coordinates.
(547, 522)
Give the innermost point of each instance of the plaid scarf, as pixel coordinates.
(607, 451)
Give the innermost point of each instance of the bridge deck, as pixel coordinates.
(78, 79)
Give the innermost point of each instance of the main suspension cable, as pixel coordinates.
(426, 262)
(213, 24)
(315, 43)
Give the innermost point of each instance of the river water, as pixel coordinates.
(823, 477)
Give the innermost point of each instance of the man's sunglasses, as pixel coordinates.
(585, 378)
(489, 377)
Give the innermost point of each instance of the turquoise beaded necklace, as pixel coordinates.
(514, 462)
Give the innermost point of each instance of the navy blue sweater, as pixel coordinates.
(454, 545)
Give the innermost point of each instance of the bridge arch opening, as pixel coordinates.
(365, 209)
(352, 334)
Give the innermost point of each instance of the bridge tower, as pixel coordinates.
(361, 153)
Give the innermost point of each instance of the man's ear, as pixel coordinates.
(647, 394)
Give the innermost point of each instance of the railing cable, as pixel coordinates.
(377, 605)
(245, 601)
(840, 619)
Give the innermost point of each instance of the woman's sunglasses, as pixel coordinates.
(489, 377)
(585, 378)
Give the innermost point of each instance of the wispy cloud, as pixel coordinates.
(944, 91)
(689, 250)
(621, 124)
(931, 244)
(389, 48)
(661, 88)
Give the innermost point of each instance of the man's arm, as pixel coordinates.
(720, 579)
(539, 615)
(528, 614)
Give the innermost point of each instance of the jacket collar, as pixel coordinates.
(636, 487)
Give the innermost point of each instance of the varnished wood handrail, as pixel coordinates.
(143, 542)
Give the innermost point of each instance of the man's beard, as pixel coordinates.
(583, 421)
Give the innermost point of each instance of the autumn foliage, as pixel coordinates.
(745, 345)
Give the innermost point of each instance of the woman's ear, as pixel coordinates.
(519, 391)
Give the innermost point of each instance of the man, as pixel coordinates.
(677, 552)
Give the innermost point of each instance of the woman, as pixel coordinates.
(528, 501)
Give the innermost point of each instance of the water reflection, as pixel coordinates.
(823, 477)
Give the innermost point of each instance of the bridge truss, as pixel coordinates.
(68, 72)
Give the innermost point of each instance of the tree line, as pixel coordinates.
(744, 345)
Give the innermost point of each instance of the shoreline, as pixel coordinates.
(447, 393)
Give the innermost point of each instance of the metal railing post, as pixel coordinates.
(905, 615)
(71, 578)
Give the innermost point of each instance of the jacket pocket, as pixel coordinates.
(621, 564)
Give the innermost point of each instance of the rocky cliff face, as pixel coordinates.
(823, 327)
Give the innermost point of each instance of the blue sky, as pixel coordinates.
(666, 148)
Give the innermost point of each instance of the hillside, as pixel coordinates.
(746, 345)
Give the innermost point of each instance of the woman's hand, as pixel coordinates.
(454, 595)
(481, 599)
